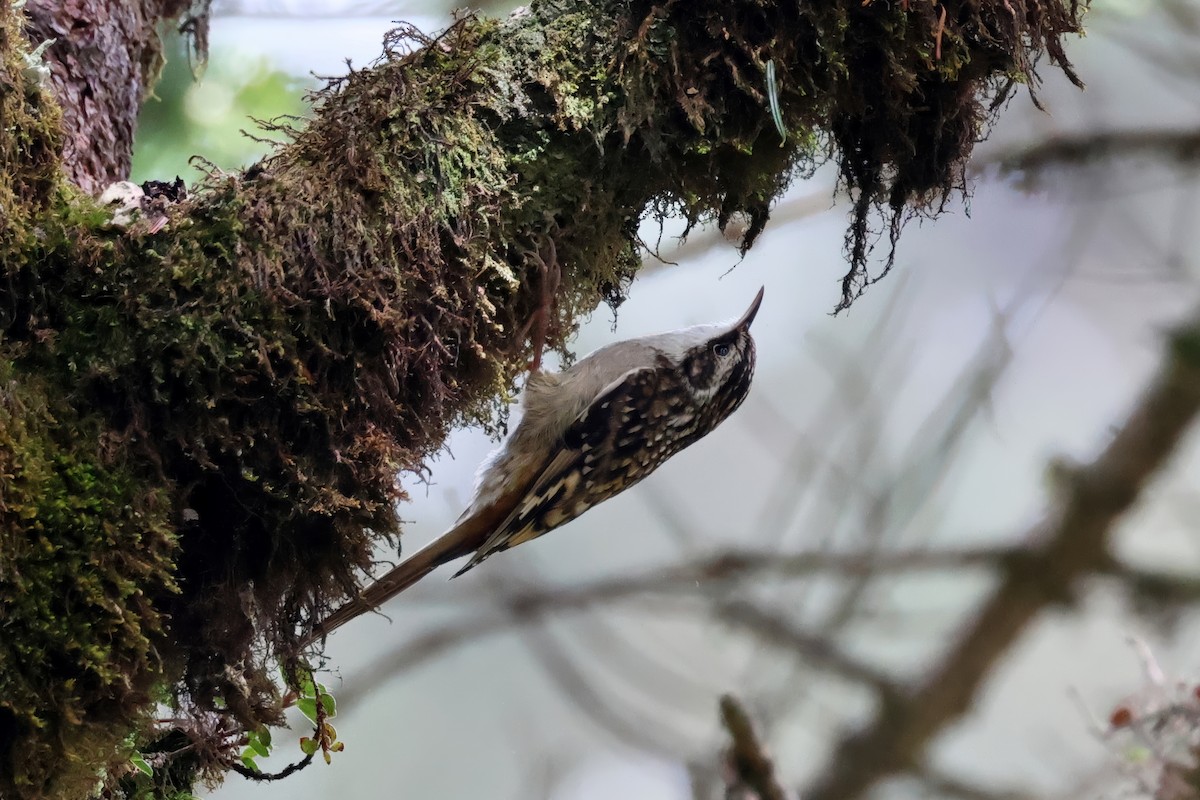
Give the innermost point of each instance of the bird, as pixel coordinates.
(585, 434)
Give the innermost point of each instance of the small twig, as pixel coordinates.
(1096, 726)
(750, 768)
(255, 775)
(1150, 666)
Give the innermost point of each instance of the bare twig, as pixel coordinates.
(255, 775)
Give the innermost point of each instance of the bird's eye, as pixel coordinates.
(722, 350)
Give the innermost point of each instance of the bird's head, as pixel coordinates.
(716, 360)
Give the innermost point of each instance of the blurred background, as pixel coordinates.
(923, 422)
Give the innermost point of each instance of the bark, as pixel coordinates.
(105, 58)
(203, 413)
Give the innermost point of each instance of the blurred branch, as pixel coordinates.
(817, 649)
(750, 767)
(734, 565)
(1182, 145)
(634, 727)
(1157, 587)
(1071, 543)
(643, 670)
(795, 208)
(948, 785)
(1178, 145)
(1172, 145)
(516, 608)
(931, 453)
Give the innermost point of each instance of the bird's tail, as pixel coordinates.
(469, 534)
(454, 543)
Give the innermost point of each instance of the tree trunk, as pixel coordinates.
(105, 58)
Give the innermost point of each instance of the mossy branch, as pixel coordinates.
(245, 382)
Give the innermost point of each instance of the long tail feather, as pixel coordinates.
(454, 543)
(467, 536)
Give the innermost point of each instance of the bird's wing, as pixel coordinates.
(611, 430)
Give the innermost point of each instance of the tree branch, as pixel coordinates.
(521, 607)
(735, 565)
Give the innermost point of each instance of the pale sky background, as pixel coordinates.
(1080, 261)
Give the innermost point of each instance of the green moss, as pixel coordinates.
(30, 143)
(85, 549)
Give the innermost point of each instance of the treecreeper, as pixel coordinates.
(586, 434)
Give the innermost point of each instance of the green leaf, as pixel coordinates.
(1138, 754)
(258, 747)
(329, 703)
(139, 762)
(773, 101)
(248, 761)
(308, 707)
(309, 746)
(264, 735)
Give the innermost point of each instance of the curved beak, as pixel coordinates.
(748, 317)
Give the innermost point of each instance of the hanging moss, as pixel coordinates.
(897, 93)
